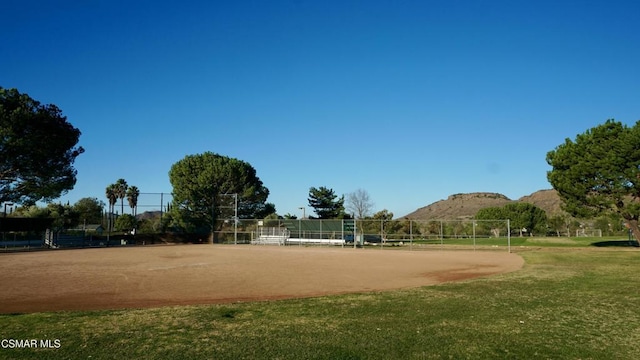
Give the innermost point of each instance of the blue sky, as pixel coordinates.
(411, 101)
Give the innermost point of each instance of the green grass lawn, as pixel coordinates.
(578, 303)
(530, 241)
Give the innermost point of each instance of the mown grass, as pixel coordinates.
(564, 304)
(530, 241)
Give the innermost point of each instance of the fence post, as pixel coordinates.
(410, 234)
(474, 235)
(509, 235)
(381, 234)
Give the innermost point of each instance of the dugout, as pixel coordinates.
(315, 229)
(19, 233)
(329, 229)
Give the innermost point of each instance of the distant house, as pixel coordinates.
(91, 229)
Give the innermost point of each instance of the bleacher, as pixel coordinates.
(271, 236)
(316, 232)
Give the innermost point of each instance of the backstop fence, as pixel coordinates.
(405, 232)
(382, 233)
(426, 234)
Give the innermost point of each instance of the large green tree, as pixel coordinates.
(203, 188)
(526, 217)
(599, 172)
(387, 226)
(523, 217)
(64, 216)
(326, 203)
(126, 222)
(560, 224)
(89, 210)
(37, 150)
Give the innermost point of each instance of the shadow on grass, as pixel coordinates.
(616, 243)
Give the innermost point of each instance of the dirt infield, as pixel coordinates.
(138, 277)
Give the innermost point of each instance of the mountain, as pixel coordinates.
(547, 200)
(459, 206)
(149, 215)
(465, 206)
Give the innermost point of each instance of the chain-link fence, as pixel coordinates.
(153, 202)
(382, 233)
(154, 226)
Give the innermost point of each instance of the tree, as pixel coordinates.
(599, 173)
(609, 224)
(65, 216)
(132, 197)
(32, 211)
(388, 226)
(37, 150)
(126, 222)
(326, 203)
(112, 197)
(559, 223)
(491, 213)
(120, 189)
(89, 210)
(524, 217)
(359, 203)
(383, 215)
(200, 183)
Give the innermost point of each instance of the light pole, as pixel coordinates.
(300, 224)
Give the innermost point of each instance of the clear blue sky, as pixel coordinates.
(411, 101)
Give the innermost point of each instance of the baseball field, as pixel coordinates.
(547, 300)
(114, 278)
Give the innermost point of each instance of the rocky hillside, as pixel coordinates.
(459, 206)
(547, 200)
(149, 215)
(465, 206)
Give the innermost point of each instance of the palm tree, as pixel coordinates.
(110, 192)
(132, 197)
(121, 191)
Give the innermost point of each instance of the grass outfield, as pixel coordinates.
(531, 241)
(578, 303)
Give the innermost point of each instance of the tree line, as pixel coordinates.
(119, 190)
(597, 174)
